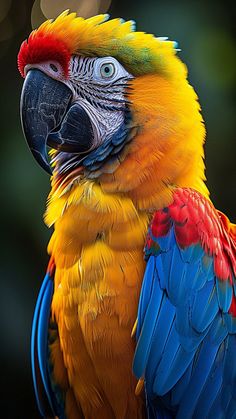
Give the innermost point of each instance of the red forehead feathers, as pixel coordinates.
(39, 48)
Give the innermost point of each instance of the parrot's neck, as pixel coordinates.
(151, 187)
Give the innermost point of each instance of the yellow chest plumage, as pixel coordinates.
(97, 246)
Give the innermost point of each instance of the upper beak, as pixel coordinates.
(44, 102)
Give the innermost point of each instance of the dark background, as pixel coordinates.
(204, 31)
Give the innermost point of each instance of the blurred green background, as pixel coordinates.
(204, 31)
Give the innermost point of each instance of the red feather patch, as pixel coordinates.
(232, 309)
(40, 48)
(195, 220)
(51, 266)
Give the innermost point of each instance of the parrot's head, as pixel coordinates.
(114, 105)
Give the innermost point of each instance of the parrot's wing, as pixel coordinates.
(186, 330)
(43, 385)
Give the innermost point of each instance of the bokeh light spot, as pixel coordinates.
(104, 6)
(37, 17)
(84, 8)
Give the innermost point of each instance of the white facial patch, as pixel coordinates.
(98, 84)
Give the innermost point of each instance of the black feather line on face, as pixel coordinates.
(94, 162)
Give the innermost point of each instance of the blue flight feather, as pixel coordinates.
(181, 386)
(188, 336)
(231, 409)
(224, 294)
(46, 399)
(228, 390)
(166, 242)
(216, 411)
(230, 322)
(200, 374)
(144, 342)
(174, 363)
(160, 270)
(42, 338)
(160, 336)
(212, 386)
(177, 277)
(205, 306)
(41, 398)
(145, 293)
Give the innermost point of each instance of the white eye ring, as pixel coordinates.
(107, 70)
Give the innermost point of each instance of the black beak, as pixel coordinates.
(44, 102)
(48, 119)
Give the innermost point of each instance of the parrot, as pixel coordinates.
(136, 316)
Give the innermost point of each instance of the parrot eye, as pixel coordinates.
(107, 70)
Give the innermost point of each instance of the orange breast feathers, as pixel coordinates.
(97, 246)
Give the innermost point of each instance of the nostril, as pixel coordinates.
(54, 67)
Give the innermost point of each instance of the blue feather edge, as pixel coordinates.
(39, 349)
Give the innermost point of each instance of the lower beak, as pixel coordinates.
(44, 102)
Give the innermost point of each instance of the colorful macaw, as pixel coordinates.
(136, 317)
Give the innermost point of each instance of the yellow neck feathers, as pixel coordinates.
(168, 150)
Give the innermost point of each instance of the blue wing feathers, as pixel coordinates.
(212, 386)
(160, 272)
(177, 360)
(189, 337)
(42, 338)
(216, 410)
(186, 341)
(146, 292)
(224, 294)
(177, 283)
(181, 386)
(229, 388)
(41, 396)
(231, 409)
(162, 329)
(166, 242)
(46, 399)
(230, 322)
(205, 307)
(202, 369)
(145, 337)
(200, 278)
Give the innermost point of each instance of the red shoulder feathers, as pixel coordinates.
(195, 220)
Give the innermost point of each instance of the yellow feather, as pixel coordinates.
(94, 260)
